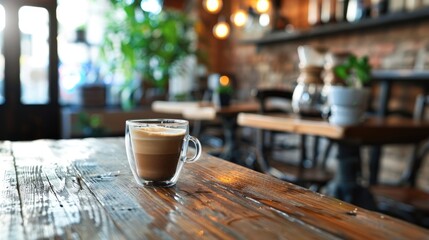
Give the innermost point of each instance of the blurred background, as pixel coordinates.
(71, 69)
(62, 55)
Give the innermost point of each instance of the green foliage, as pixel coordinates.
(144, 44)
(90, 125)
(86, 120)
(227, 89)
(355, 72)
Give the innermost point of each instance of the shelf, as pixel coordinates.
(337, 28)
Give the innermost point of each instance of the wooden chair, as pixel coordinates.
(404, 199)
(306, 172)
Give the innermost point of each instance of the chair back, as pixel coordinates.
(422, 102)
(265, 95)
(419, 152)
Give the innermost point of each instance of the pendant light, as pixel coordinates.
(262, 6)
(221, 30)
(239, 18)
(212, 6)
(264, 20)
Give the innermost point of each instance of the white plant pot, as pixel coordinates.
(347, 105)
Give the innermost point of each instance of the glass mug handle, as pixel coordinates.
(197, 146)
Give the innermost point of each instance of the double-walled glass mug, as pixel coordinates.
(157, 150)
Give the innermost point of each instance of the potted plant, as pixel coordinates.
(224, 94)
(349, 102)
(141, 46)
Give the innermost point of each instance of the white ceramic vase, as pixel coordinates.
(347, 105)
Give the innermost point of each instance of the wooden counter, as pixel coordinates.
(83, 189)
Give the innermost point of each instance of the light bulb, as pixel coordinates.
(262, 6)
(264, 20)
(224, 80)
(239, 18)
(212, 6)
(221, 30)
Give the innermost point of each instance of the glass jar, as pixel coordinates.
(355, 10)
(378, 7)
(310, 56)
(314, 12)
(306, 98)
(411, 5)
(327, 14)
(396, 5)
(341, 10)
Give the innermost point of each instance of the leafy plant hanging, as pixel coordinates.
(139, 44)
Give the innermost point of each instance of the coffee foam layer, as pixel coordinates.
(161, 132)
(157, 140)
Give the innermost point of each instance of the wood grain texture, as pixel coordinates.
(55, 203)
(83, 189)
(391, 130)
(10, 210)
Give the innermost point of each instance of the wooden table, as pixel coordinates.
(204, 111)
(374, 131)
(83, 189)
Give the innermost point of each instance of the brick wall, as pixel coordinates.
(393, 47)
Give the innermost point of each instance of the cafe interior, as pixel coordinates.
(255, 79)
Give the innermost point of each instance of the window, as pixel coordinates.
(34, 59)
(80, 30)
(2, 25)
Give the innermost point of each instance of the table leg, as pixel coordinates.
(345, 185)
(230, 151)
(374, 164)
(375, 151)
(384, 97)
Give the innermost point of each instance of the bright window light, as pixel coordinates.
(70, 14)
(151, 6)
(29, 16)
(2, 18)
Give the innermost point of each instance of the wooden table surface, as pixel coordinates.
(199, 110)
(83, 189)
(372, 131)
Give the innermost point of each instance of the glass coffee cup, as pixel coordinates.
(157, 150)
